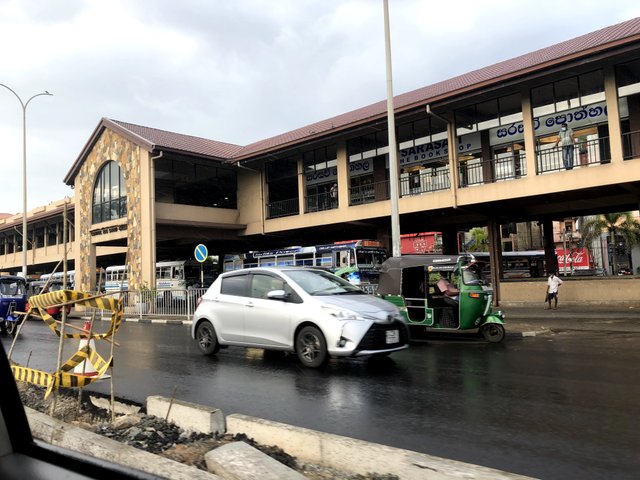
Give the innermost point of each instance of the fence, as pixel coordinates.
(173, 303)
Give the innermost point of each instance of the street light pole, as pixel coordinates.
(24, 171)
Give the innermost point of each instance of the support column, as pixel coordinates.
(147, 234)
(550, 258)
(488, 170)
(529, 133)
(495, 258)
(453, 162)
(613, 114)
(343, 176)
(449, 241)
(302, 195)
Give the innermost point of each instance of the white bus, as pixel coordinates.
(172, 276)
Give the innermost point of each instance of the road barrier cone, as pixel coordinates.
(86, 368)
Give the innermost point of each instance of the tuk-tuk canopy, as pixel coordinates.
(390, 281)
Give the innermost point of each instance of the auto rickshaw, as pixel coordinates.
(414, 283)
(13, 297)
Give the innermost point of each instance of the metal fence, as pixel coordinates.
(173, 303)
(283, 208)
(583, 154)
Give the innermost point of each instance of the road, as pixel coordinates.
(553, 406)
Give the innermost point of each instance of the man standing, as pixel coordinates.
(552, 289)
(565, 139)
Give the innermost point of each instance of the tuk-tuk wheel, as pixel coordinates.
(12, 328)
(493, 332)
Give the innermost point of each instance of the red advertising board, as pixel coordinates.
(578, 257)
(424, 242)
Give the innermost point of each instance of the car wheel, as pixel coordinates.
(493, 332)
(311, 347)
(207, 339)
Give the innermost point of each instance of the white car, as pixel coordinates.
(304, 310)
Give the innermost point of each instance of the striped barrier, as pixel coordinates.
(38, 305)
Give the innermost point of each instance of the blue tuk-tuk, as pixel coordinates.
(13, 298)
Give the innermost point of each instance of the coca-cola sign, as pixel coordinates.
(577, 258)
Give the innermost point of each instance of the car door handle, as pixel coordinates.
(250, 304)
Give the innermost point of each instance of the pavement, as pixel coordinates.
(521, 320)
(530, 320)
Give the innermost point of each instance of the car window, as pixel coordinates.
(262, 284)
(234, 285)
(318, 282)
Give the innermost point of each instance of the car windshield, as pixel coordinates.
(319, 282)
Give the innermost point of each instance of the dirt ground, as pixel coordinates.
(154, 435)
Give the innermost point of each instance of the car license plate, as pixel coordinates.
(392, 336)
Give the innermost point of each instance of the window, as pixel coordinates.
(186, 181)
(568, 93)
(263, 284)
(109, 194)
(234, 285)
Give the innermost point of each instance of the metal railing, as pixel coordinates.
(475, 172)
(319, 202)
(630, 145)
(431, 180)
(583, 154)
(168, 304)
(283, 208)
(373, 192)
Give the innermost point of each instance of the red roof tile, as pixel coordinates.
(177, 141)
(579, 46)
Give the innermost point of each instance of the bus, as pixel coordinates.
(357, 260)
(523, 264)
(175, 276)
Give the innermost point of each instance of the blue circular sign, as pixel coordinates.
(201, 253)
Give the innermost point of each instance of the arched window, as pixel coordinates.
(109, 194)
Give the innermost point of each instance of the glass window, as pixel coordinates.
(109, 194)
(234, 285)
(628, 78)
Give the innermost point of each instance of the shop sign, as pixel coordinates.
(438, 149)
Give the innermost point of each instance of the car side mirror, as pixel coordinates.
(277, 295)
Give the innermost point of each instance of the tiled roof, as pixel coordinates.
(579, 46)
(176, 141)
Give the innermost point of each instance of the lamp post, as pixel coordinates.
(24, 171)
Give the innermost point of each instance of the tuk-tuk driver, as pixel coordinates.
(447, 288)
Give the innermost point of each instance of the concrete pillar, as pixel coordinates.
(529, 133)
(615, 132)
(488, 170)
(550, 258)
(147, 250)
(343, 176)
(381, 191)
(449, 241)
(495, 258)
(453, 162)
(302, 197)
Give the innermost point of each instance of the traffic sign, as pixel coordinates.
(201, 253)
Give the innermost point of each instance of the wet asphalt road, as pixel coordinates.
(555, 406)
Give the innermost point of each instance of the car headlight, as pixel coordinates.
(342, 314)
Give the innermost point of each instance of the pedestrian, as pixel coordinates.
(333, 192)
(566, 139)
(553, 283)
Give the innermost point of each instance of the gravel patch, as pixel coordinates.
(155, 435)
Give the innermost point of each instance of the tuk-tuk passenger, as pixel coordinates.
(448, 290)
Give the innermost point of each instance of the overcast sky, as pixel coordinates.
(238, 71)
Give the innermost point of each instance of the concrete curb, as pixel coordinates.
(357, 456)
(67, 436)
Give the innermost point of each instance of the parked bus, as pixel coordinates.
(357, 260)
(175, 276)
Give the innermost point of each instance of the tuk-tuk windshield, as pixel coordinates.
(471, 272)
(12, 288)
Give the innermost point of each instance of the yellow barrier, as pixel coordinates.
(62, 377)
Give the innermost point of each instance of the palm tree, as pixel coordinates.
(616, 225)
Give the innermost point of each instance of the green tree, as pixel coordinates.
(615, 225)
(479, 240)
